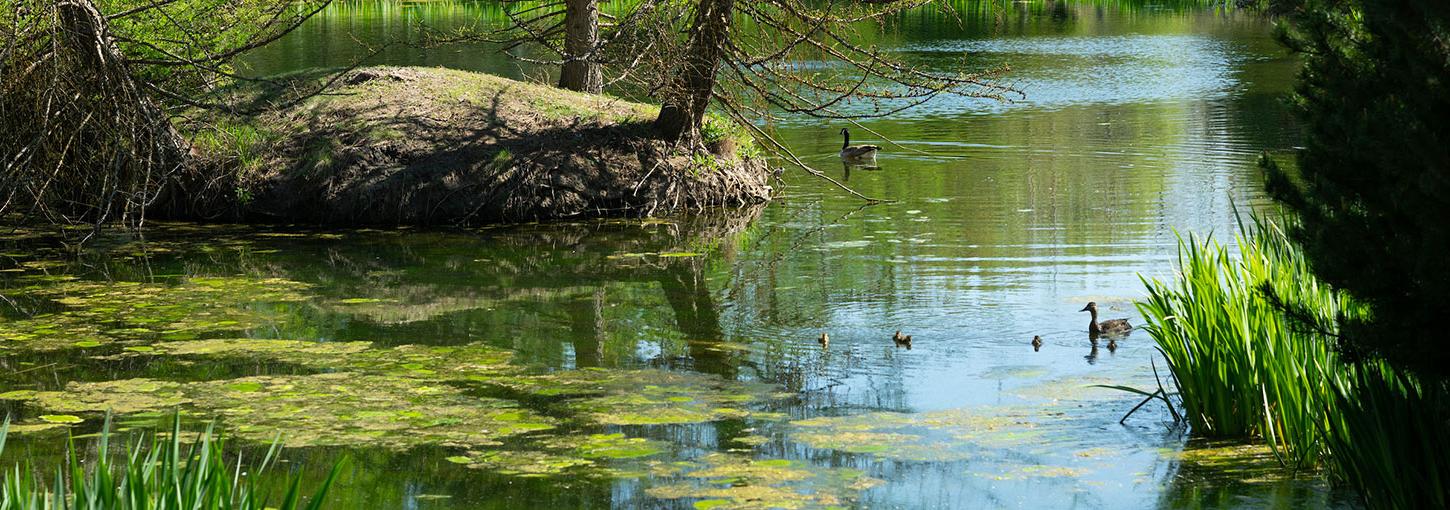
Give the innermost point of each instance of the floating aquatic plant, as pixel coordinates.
(727, 481)
(646, 397)
(340, 408)
(94, 313)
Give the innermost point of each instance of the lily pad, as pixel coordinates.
(61, 418)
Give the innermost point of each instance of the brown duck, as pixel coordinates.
(901, 340)
(1107, 327)
(825, 340)
(1036, 343)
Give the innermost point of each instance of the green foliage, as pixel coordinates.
(163, 37)
(239, 145)
(1244, 367)
(1372, 184)
(161, 475)
(1250, 342)
(1388, 437)
(719, 128)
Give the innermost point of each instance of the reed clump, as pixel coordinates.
(1251, 341)
(156, 474)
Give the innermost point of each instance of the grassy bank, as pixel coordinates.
(1250, 340)
(409, 145)
(156, 474)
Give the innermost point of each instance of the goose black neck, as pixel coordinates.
(845, 139)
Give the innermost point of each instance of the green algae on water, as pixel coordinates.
(468, 362)
(95, 313)
(646, 397)
(593, 455)
(331, 409)
(722, 480)
(920, 436)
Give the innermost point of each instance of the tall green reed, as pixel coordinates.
(1249, 340)
(1389, 436)
(156, 475)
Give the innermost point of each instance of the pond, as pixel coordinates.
(674, 362)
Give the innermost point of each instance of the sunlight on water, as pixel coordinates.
(665, 363)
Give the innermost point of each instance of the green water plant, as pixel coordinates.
(159, 474)
(1388, 434)
(1245, 364)
(1251, 341)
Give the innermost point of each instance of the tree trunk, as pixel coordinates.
(581, 34)
(90, 40)
(683, 111)
(143, 149)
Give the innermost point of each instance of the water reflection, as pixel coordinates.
(1140, 120)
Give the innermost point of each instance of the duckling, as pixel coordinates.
(856, 152)
(1107, 327)
(897, 336)
(902, 341)
(825, 340)
(1036, 343)
(1112, 345)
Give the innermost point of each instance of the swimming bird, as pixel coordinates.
(902, 340)
(1107, 327)
(856, 152)
(825, 340)
(1036, 343)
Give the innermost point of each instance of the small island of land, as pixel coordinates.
(411, 145)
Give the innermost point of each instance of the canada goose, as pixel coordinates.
(1036, 343)
(1108, 327)
(825, 340)
(856, 152)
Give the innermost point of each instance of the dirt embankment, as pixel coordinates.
(405, 145)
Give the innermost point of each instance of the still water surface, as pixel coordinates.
(1139, 121)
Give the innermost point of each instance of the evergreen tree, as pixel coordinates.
(1372, 183)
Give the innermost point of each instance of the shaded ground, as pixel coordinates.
(402, 145)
